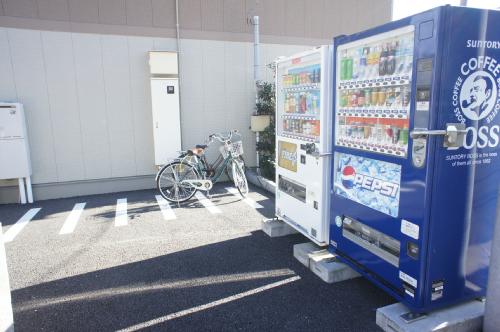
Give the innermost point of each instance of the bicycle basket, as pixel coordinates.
(234, 149)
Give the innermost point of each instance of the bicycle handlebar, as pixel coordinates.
(221, 138)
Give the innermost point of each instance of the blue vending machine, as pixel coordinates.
(416, 165)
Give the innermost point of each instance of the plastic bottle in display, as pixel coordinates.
(355, 64)
(382, 64)
(349, 64)
(343, 66)
(403, 136)
(391, 60)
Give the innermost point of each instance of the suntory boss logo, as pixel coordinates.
(350, 178)
(475, 97)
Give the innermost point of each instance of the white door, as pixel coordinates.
(166, 119)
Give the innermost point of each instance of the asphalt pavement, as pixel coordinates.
(127, 261)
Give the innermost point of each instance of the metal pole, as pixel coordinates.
(492, 311)
(256, 74)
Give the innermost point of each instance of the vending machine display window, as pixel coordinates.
(299, 100)
(373, 94)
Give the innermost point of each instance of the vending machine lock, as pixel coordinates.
(453, 135)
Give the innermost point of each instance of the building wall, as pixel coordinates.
(81, 70)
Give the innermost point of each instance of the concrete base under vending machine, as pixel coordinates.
(323, 263)
(276, 228)
(465, 317)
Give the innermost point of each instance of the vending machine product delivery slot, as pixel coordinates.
(416, 166)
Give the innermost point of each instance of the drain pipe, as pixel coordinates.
(178, 47)
(256, 76)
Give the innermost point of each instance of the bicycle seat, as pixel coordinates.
(201, 146)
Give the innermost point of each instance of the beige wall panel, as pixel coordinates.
(214, 114)
(332, 22)
(273, 18)
(118, 104)
(31, 83)
(7, 85)
(165, 44)
(112, 12)
(212, 15)
(20, 8)
(314, 18)
(295, 18)
(53, 10)
(64, 108)
(193, 130)
(190, 14)
(238, 106)
(92, 102)
(164, 13)
(141, 103)
(234, 16)
(139, 13)
(84, 11)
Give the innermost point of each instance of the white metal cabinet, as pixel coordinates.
(166, 119)
(14, 147)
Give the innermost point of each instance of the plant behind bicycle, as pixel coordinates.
(179, 180)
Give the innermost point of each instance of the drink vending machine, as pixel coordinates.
(416, 168)
(303, 127)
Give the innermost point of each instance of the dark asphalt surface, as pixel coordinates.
(106, 278)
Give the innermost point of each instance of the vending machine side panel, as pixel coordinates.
(465, 192)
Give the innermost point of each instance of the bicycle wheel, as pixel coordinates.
(169, 181)
(239, 178)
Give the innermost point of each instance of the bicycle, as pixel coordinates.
(180, 179)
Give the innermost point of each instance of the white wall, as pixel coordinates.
(88, 105)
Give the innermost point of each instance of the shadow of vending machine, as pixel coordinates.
(303, 134)
(416, 168)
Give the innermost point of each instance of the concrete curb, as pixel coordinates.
(261, 182)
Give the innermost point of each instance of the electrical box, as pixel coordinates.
(14, 147)
(165, 106)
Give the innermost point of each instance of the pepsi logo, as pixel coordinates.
(350, 178)
(348, 175)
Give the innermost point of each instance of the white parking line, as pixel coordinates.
(72, 219)
(121, 212)
(19, 225)
(166, 210)
(247, 200)
(207, 203)
(202, 307)
(6, 314)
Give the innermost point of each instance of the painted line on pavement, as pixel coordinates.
(202, 307)
(121, 212)
(72, 219)
(247, 200)
(207, 203)
(19, 225)
(166, 210)
(6, 314)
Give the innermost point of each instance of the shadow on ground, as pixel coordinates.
(130, 294)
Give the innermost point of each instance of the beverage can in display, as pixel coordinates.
(354, 98)
(395, 134)
(405, 98)
(309, 108)
(343, 98)
(397, 96)
(381, 97)
(368, 97)
(374, 97)
(389, 99)
(361, 98)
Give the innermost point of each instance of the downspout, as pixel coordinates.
(178, 47)
(256, 76)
